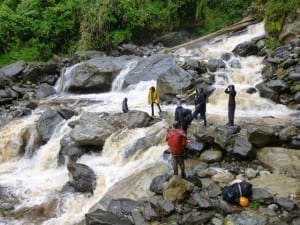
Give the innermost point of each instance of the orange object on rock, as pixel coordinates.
(244, 202)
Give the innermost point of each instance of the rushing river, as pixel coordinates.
(36, 179)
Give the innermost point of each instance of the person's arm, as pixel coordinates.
(227, 90)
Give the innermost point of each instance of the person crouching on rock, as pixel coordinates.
(177, 140)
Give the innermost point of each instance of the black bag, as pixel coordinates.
(187, 116)
(234, 191)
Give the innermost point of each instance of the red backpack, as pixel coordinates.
(176, 139)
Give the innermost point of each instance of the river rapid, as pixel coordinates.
(36, 179)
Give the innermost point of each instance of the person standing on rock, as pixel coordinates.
(231, 104)
(177, 140)
(183, 116)
(200, 105)
(125, 106)
(153, 98)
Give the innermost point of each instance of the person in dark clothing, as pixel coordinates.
(180, 116)
(177, 141)
(200, 105)
(231, 104)
(125, 106)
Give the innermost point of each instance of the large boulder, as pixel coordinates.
(82, 177)
(39, 72)
(44, 91)
(95, 128)
(246, 49)
(281, 160)
(171, 78)
(12, 71)
(92, 129)
(95, 75)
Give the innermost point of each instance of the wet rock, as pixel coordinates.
(245, 49)
(286, 203)
(251, 90)
(83, 178)
(150, 211)
(214, 64)
(122, 207)
(261, 195)
(44, 91)
(103, 217)
(66, 112)
(47, 123)
(266, 92)
(157, 183)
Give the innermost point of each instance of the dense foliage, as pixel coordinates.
(37, 29)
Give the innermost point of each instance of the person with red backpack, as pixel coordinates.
(177, 140)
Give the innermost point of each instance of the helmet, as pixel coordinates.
(244, 202)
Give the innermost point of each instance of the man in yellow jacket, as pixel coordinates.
(153, 98)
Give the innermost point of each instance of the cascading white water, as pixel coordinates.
(38, 180)
(247, 76)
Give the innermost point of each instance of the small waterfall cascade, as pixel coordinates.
(242, 72)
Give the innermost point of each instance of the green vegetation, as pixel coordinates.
(254, 205)
(276, 12)
(36, 29)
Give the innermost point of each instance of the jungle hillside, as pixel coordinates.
(35, 30)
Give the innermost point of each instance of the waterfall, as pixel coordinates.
(246, 75)
(37, 181)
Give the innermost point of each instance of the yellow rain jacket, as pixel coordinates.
(153, 97)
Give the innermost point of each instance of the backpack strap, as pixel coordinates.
(240, 189)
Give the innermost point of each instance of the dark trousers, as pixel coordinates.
(231, 110)
(178, 160)
(152, 107)
(200, 110)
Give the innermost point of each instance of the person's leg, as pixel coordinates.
(174, 165)
(152, 108)
(231, 114)
(158, 107)
(180, 160)
(204, 118)
(195, 113)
